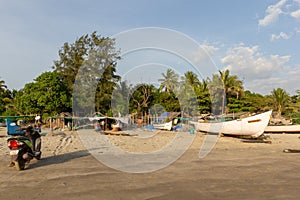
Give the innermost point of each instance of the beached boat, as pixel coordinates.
(164, 126)
(282, 129)
(252, 126)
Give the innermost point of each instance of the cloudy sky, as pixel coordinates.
(257, 40)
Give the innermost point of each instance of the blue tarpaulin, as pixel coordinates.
(164, 115)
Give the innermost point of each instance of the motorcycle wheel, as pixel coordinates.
(38, 148)
(38, 157)
(20, 163)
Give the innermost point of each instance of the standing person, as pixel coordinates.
(102, 124)
(38, 126)
(38, 123)
(140, 122)
(37, 118)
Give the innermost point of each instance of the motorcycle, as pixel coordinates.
(24, 145)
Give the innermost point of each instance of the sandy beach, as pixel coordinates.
(232, 170)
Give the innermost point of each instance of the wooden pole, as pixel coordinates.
(51, 124)
(72, 121)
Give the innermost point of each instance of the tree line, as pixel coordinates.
(92, 61)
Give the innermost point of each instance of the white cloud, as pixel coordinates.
(294, 72)
(264, 86)
(209, 49)
(296, 14)
(287, 81)
(261, 73)
(281, 35)
(204, 52)
(297, 1)
(272, 14)
(249, 62)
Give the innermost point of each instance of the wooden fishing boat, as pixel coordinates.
(282, 129)
(164, 126)
(253, 126)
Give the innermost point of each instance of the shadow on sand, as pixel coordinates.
(58, 159)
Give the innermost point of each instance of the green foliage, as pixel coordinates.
(296, 120)
(169, 82)
(223, 87)
(94, 48)
(217, 94)
(252, 102)
(168, 100)
(5, 99)
(237, 105)
(91, 61)
(203, 97)
(47, 94)
(120, 99)
(293, 108)
(232, 85)
(142, 98)
(204, 102)
(280, 99)
(186, 94)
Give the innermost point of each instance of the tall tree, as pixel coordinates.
(192, 79)
(200, 89)
(120, 98)
(232, 84)
(3, 87)
(73, 56)
(91, 61)
(169, 101)
(226, 86)
(5, 98)
(280, 97)
(166, 95)
(169, 82)
(142, 98)
(217, 93)
(187, 94)
(203, 97)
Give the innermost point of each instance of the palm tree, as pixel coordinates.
(203, 87)
(232, 85)
(187, 94)
(298, 93)
(4, 98)
(280, 97)
(192, 79)
(169, 82)
(3, 87)
(224, 85)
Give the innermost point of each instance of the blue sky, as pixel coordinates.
(258, 40)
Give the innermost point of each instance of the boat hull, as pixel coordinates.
(253, 126)
(166, 126)
(283, 129)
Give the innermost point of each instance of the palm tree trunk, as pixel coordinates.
(279, 110)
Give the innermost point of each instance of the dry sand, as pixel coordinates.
(233, 170)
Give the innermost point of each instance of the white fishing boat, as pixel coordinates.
(282, 129)
(164, 126)
(253, 126)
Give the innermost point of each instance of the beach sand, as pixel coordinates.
(232, 170)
